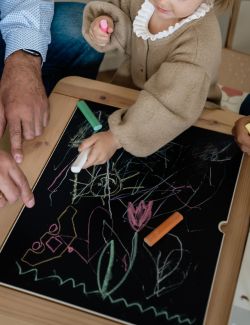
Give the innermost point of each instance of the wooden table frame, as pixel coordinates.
(18, 308)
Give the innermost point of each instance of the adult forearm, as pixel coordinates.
(20, 60)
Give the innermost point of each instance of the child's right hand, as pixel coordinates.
(97, 35)
(241, 134)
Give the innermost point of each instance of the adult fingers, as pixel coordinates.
(3, 200)
(28, 129)
(22, 184)
(9, 190)
(15, 131)
(46, 117)
(2, 120)
(42, 117)
(38, 124)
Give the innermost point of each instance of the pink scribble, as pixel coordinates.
(138, 217)
(53, 243)
(125, 264)
(66, 168)
(70, 249)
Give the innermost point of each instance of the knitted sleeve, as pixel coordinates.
(118, 11)
(172, 100)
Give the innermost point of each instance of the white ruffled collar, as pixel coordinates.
(140, 24)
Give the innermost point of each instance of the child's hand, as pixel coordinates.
(97, 35)
(102, 146)
(241, 134)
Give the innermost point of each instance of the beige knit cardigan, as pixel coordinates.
(176, 75)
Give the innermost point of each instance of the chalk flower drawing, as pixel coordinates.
(138, 217)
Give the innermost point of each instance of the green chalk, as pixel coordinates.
(89, 115)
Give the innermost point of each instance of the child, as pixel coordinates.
(173, 50)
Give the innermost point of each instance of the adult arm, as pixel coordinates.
(164, 109)
(24, 25)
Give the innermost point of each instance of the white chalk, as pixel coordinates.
(80, 161)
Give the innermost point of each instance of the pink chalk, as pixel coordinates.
(104, 25)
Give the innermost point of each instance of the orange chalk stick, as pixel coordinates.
(163, 228)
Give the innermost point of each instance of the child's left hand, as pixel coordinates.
(241, 134)
(102, 146)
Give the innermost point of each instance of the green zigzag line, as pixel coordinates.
(113, 301)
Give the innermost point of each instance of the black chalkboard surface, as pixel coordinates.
(82, 244)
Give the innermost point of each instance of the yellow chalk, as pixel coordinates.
(247, 126)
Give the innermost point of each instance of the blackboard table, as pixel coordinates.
(20, 308)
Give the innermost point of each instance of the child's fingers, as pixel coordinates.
(110, 24)
(243, 142)
(89, 163)
(99, 39)
(99, 36)
(92, 158)
(245, 149)
(91, 35)
(87, 143)
(103, 40)
(243, 138)
(95, 159)
(240, 132)
(102, 36)
(95, 33)
(98, 155)
(240, 124)
(110, 30)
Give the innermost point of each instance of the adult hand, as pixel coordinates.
(13, 183)
(102, 146)
(24, 100)
(241, 134)
(2, 118)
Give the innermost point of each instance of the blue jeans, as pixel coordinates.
(68, 54)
